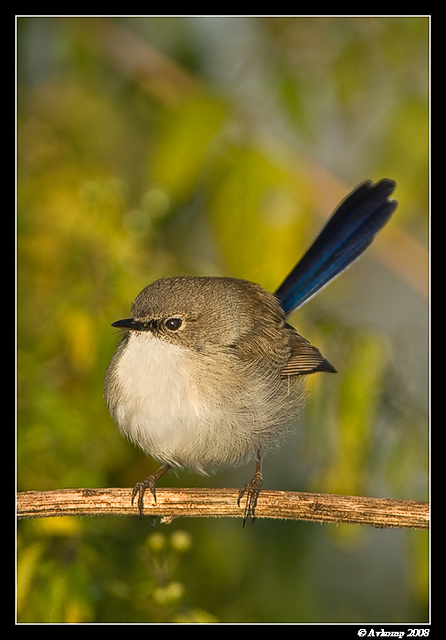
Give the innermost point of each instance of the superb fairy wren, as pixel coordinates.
(209, 372)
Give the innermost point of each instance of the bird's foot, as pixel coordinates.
(149, 483)
(252, 490)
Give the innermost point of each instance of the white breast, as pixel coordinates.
(178, 408)
(157, 402)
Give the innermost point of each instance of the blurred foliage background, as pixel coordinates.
(157, 146)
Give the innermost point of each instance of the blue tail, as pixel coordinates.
(346, 235)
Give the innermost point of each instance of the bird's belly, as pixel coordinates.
(179, 416)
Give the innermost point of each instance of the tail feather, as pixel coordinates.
(345, 236)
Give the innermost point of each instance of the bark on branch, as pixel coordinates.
(319, 507)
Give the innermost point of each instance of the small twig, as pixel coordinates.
(320, 507)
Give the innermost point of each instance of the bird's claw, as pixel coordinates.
(139, 490)
(252, 490)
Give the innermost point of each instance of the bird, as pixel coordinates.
(210, 373)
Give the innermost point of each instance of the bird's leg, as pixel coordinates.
(252, 490)
(148, 483)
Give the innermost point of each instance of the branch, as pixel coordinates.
(319, 507)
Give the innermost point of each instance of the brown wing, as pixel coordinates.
(304, 358)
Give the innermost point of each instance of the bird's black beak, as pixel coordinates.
(130, 323)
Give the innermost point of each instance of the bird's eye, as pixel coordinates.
(173, 324)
